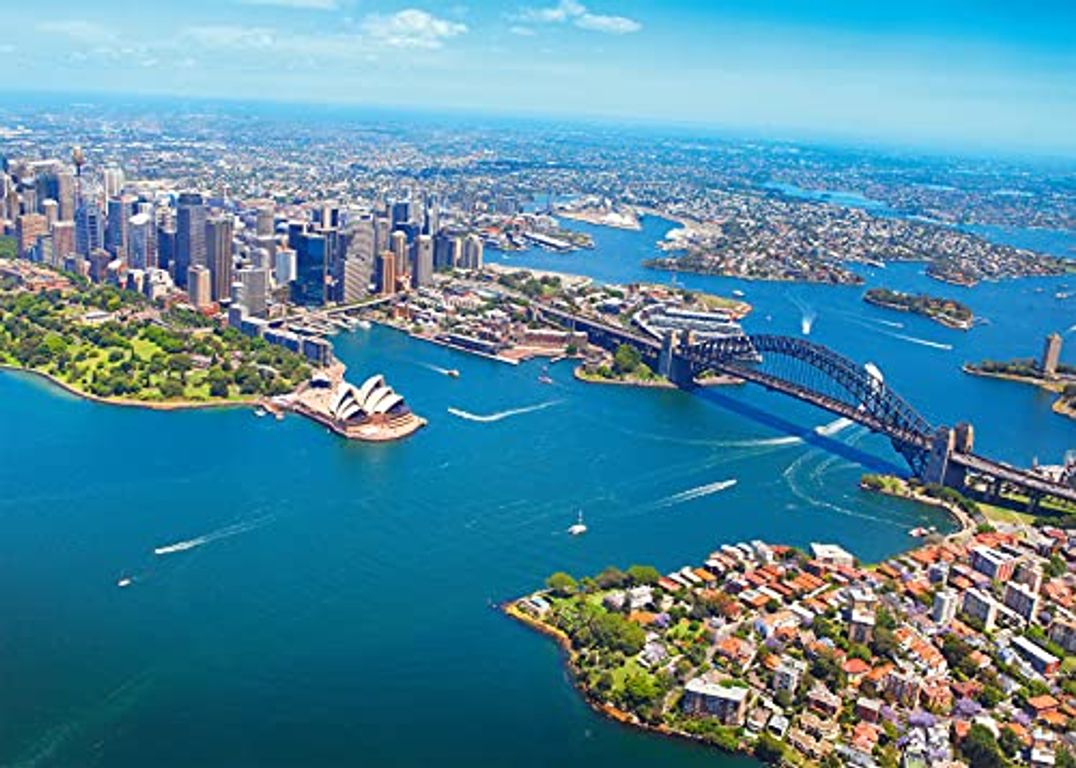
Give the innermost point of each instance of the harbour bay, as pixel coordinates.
(337, 597)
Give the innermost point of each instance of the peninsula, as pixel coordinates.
(948, 312)
(962, 650)
(1047, 373)
(115, 346)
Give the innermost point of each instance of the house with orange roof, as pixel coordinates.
(856, 669)
(1040, 705)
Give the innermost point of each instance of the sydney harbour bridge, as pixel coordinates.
(815, 374)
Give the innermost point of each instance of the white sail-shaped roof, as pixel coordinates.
(374, 382)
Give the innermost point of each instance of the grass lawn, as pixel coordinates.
(1002, 515)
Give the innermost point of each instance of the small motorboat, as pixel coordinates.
(738, 293)
(452, 373)
(124, 582)
(363, 325)
(259, 412)
(579, 528)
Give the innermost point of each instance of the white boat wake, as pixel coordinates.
(436, 369)
(835, 426)
(217, 535)
(922, 342)
(499, 416)
(890, 323)
(697, 493)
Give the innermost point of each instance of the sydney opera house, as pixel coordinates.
(372, 411)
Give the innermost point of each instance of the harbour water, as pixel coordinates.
(296, 599)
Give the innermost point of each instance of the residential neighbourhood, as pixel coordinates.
(958, 652)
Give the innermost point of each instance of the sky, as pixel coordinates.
(951, 74)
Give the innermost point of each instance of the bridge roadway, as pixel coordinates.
(1004, 473)
(903, 440)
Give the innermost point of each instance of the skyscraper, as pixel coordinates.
(199, 286)
(89, 227)
(387, 273)
(63, 240)
(398, 246)
(218, 241)
(190, 235)
(29, 227)
(312, 270)
(255, 284)
(284, 266)
(120, 210)
(138, 234)
(166, 247)
(113, 180)
(472, 252)
(423, 274)
(447, 251)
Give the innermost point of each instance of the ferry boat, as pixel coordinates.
(579, 528)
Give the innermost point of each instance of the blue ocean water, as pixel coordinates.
(300, 600)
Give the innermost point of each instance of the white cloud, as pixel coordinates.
(231, 36)
(411, 28)
(6, 48)
(78, 30)
(613, 25)
(312, 5)
(580, 16)
(522, 31)
(562, 11)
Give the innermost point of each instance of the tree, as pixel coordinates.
(769, 750)
(1009, 742)
(643, 574)
(562, 584)
(626, 359)
(611, 577)
(981, 749)
(640, 690)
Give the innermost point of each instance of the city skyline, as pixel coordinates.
(984, 78)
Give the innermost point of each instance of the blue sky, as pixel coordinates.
(957, 75)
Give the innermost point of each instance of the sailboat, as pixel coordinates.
(579, 528)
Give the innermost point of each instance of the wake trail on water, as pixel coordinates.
(221, 533)
(921, 342)
(697, 493)
(435, 368)
(501, 415)
(835, 426)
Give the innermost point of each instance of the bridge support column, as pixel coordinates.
(672, 365)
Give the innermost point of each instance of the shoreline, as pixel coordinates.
(149, 405)
(512, 610)
(940, 319)
(965, 524)
(1059, 406)
(601, 220)
(657, 383)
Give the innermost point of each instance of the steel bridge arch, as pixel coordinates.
(868, 400)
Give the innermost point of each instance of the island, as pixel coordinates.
(948, 312)
(112, 345)
(1047, 373)
(808, 657)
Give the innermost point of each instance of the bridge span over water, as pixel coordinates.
(815, 374)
